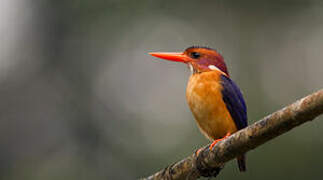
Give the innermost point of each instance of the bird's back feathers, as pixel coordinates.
(234, 101)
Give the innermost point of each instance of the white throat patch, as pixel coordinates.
(212, 67)
(191, 68)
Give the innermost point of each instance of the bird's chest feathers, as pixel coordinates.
(204, 97)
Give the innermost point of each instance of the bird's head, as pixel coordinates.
(200, 59)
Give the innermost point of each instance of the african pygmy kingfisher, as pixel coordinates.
(214, 99)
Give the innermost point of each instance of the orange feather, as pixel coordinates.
(204, 97)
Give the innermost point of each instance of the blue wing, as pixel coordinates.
(234, 101)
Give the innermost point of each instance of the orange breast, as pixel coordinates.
(204, 98)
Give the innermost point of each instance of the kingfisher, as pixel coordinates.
(215, 100)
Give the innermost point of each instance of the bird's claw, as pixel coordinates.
(197, 152)
(218, 140)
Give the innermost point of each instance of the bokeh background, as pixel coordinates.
(81, 99)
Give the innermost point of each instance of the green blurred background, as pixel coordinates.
(81, 99)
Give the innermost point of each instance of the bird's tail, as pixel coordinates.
(242, 163)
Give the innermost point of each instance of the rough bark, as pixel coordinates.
(271, 126)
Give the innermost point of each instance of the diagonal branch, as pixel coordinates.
(271, 126)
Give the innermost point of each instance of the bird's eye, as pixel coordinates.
(195, 55)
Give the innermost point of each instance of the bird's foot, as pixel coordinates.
(197, 152)
(218, 140)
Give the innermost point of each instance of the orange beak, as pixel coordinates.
(172, 56)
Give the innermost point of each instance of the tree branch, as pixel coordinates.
(271, 126)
